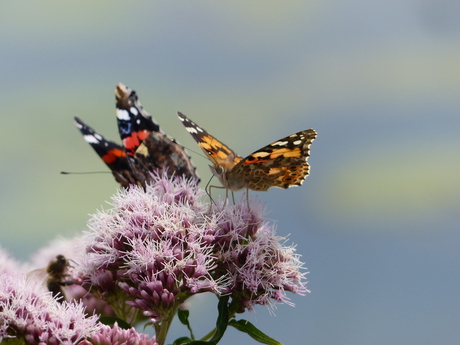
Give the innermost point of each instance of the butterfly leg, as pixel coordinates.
(233, 196)
(207, 189)
(247, 198)
(217, 187)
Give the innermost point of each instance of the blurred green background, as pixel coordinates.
(377, 222)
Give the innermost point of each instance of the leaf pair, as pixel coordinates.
(221, 326)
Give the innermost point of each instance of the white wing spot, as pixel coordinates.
(191, 130)
(297, 142)
(123, 114)
(280, 143)
(133, 110)
(261, 154)
(91, 139)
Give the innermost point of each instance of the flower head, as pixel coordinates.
(156, 247)
(29, 313)
(115, 335)
(153, 248)
(258, 265)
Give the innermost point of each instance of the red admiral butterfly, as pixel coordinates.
(145, 147)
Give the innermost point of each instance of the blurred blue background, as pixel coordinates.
(377, 222)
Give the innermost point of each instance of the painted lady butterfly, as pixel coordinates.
(281, 164)
(145, 147)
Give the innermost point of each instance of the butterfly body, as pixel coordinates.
(281, 164)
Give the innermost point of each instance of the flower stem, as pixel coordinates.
(162, 331)
(209, 335)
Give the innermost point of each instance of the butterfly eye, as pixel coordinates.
(217, 170)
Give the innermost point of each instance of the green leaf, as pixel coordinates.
(183, 315)
(221, 324)
(222, 320)
(182, 340)
(222, 308)
(110, 321)
(253, 332)
(148, 324)
(183, 318)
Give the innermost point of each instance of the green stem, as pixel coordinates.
(232, 313)
(162, 331)
(133, 318)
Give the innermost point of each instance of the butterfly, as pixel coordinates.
(146, 148)
(281, 164)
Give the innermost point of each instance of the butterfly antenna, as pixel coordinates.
(196, 152)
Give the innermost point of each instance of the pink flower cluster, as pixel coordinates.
(143, 258)
(156, 247)
(29, 313)
(115, 335)
(259, 267)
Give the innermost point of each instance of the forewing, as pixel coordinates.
(134, 123)
(217, 152)
(113, 155)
